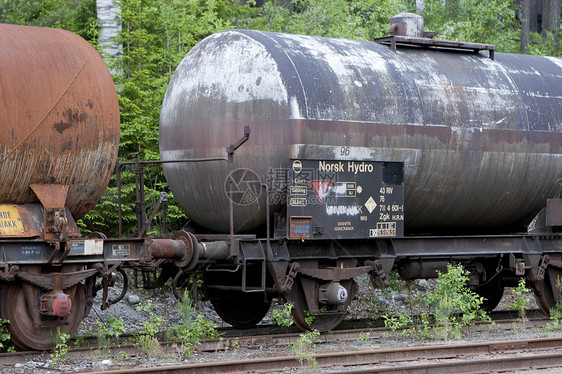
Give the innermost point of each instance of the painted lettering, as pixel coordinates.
(359, 167)
(334, 167)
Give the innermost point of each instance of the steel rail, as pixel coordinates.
(263, 338)
(396, 360)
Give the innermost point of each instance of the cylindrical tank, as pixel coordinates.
(481, 139)
(60, 116)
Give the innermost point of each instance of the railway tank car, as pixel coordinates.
(479, 138)
(58, 146)
(58, 149)
(60, 117)
(405, 153)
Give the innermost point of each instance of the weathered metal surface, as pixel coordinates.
(10, 221)
(50, 195)
(28, 328)
(60, 116)
(451, 45)
(481, 140)
(554, 212)
(167, 248)
(31, 221)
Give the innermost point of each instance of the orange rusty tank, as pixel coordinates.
(59, 116)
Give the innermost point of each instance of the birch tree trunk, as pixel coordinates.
(110, 27)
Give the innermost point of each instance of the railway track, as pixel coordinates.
(486, 357)
(255, 346)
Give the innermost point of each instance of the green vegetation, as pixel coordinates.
(491, 22)
(283, 317)
(146, 339)
(396, 322)
(556, 312)
(441, 313)
(5, 337)
(522, 300)
(303, 346)
(453, 303)
(193, 329)
(78, 16)
(110, 331)
(60, 348)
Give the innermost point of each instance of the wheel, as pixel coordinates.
(21, 327)
(492, 292)
(491, 300)
(547, 293)
(242, 310)
(328, 317)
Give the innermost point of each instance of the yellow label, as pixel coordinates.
(10, 222)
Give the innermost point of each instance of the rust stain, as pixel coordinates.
(58, 130)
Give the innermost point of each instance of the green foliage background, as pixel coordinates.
(156, 34)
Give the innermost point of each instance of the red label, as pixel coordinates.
(321, 188)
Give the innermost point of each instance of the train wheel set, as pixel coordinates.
(357, 157)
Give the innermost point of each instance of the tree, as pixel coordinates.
(78, 16)
(490, 22)
(360, 19)
(551, 22)
(155, 35)
(525, 25)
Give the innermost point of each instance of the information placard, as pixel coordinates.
(329, 199)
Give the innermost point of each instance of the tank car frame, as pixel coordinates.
(314, 268)
(50, 283)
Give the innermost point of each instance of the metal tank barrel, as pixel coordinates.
(481, 139)
(60, 116)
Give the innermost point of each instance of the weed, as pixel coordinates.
(422, 328)
(60, 349)
(399, 322)
(303, 346)
(556, 311)
(79, 340)
(193, 329)
(309, 318)
(395, 282)
(5, 337)
(521, 301)
(122, 355)
(147, 339)
(235, 344)
(110, 331)
(283, 318)
(364, 336)
(377, 308)
(453, 303)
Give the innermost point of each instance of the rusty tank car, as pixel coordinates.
(60, 114)
(58, 149)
